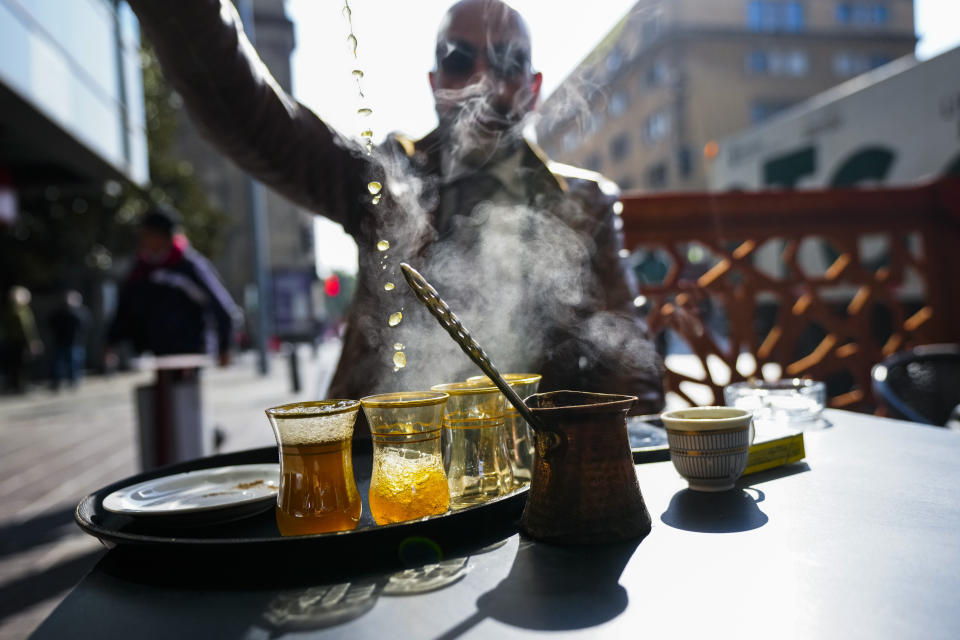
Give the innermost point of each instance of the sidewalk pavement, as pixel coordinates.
(56, 448)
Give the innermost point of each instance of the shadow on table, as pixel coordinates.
(723, 512)
(556, 588)
(162, 598)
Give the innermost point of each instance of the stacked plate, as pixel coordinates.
(205, 496)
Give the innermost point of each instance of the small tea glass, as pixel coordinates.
(318, 491)
(519, 434)
(477, 464)
(408, 481)
(796, 403)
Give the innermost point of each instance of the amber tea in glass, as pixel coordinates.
(318, 492)
(408, 480)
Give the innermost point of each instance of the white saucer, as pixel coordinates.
(218, 494)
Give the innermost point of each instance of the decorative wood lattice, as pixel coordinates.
(823, 284)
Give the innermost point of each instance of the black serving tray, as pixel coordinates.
(252, 547)
(256, 538)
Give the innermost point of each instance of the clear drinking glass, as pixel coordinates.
(794, 402)
(519, 434)
(408, 480)
(478, 467)
(318, 491)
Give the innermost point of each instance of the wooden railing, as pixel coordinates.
(819, 284)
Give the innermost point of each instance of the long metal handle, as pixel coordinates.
(431, 300)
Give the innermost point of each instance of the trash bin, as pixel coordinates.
(170, 410)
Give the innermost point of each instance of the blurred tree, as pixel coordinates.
(172, 179)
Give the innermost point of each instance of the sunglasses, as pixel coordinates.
(459, 60)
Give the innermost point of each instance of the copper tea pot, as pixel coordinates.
(583, 489)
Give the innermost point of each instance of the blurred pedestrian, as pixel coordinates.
(19, 340)
(69, 323)
(173, 302)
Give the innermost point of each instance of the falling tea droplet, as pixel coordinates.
(364, 111)
(383, 245)
(376, 198)
(398, 346)
(366, 133)
(357, 73)
(352, 42)
(388, 286)
(374, 187)
(399, 360)
(395, 319)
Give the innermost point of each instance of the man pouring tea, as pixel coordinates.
(525, 250)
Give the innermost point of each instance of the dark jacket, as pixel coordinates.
(551, 296)
(173, 307)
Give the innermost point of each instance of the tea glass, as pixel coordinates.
(519, 434)
(408, 480)
(474, 430)
(709, 446)
(318, 491)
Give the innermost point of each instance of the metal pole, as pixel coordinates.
(258, 228)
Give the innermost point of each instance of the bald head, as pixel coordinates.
(483, 83)
(497, 20)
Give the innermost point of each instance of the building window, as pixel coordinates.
(657, 176)
(594, 162)
(862, 14)
(761, 110)
(774, 15)
(778, 63)
(846, 63)
(657, 126)
(657, 74)
(618, 104)
(620, 147)
(626, 183)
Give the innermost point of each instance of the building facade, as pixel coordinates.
(289, 229)
(72, 134)
(71, 96)
(647, 106)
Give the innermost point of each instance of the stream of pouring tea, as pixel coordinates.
(373, 187)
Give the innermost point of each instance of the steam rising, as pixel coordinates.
(519, 276)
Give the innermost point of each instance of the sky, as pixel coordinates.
(395, 51)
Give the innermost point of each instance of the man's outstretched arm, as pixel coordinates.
(237, 105)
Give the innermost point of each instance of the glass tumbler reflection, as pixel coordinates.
(478, 467)
(518, 432)
(318, 491)
(408, 480)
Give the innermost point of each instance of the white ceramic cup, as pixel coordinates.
(709, 446)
